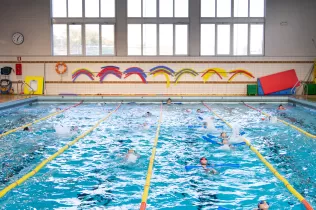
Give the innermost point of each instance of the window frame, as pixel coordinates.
(83, 21)
(160, 20)
(231, 21)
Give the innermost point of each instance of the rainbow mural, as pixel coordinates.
(137, 71)
(162, 70)
(76, 73)
(240, 71)
(180, 73)
(207, 73)
(106, 70)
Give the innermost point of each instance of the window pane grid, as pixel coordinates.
(227, 27)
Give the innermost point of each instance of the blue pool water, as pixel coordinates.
(92, 174)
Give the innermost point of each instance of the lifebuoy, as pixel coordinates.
(57, 67)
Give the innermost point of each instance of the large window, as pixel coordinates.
(154, 28)
(72, 35)
(158, 27)
(232, 27)
(143, 39)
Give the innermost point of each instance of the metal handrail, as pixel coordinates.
(308, 75)
(24, 83)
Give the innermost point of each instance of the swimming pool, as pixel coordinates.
(93, 173)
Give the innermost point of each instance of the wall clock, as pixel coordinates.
(17, 38)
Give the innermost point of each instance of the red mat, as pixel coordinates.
(279, 81)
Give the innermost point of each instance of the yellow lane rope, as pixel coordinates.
(38, 120)
(271, 168)
(284, 122)
(52, 157)
(151, 165)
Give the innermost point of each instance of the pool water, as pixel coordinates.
(93, 174)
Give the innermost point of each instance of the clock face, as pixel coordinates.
(17, 38)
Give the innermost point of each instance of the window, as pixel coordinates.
(240, 8)
(181, 8)
(223, 39)
(153, 27)
(166, 39)
(59, 8)
(75, 40)
(92, 8)
(240, 39)
(71, 33)
(60, 39)
(208, 39)
(107, 32)
(108, 8)
(92, 39)
(232, 27)
(149, 39)
(134, 8)
(74, 8)
(223, 8)
(134, 39)
(149, 8)
(256, 39)
(181, 40)
(207, 8)
(142, 39)
(256, 8)
(165, 8)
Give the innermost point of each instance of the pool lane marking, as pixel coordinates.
(284, 122)
(268, 165)
(52, 157)
(38, 120)
(151, 165)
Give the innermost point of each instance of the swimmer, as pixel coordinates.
(188, 110)
(199, 111)
(263, 205)
(169, 101)
(74, 128)
(148, 114)
(27, 129)
(225, 140)
(58, 109)
(223, 135)
(205, 125)
(204, 164)
(131, 156)
(281, 107)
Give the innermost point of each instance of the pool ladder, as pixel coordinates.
(24, 83)
(304, 83)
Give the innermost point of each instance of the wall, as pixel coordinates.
(56, 84)
(32, 18)
(295, 38)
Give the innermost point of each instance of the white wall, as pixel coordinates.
(295, 38)
(32, 18)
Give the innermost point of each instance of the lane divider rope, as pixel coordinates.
(39, 120)
(151, 165)
(52, 157)
(284, 122)
(270, 167)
